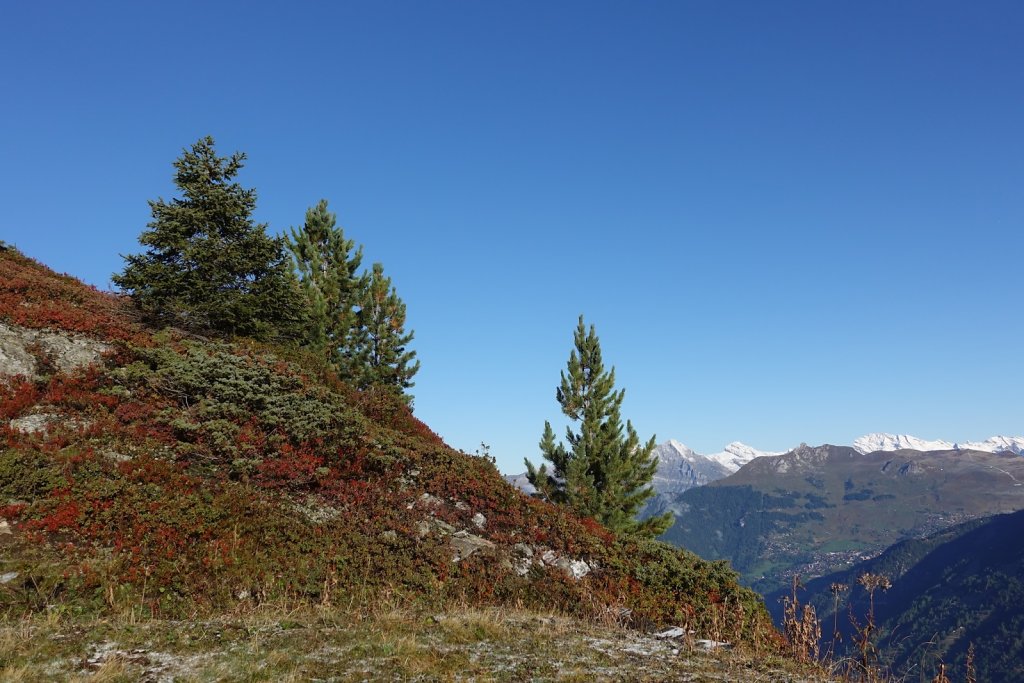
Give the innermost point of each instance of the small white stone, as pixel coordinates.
(676, 632)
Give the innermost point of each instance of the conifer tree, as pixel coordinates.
(207, 266)
(377, 354)
(605, 471)
(326, 263)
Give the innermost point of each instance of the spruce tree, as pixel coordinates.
(208, 266)
(604, 471)
(377, 353)
(326, 263)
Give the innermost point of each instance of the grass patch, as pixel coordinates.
(388, 642)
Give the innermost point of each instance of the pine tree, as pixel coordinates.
(605, 471)
(326, 263)
(377, 353)
(208, 267)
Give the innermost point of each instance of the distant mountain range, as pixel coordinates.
(681, 468)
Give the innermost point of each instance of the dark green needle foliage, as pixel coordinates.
(208, 266)
(326, 263)
(378, 354)
(604, 471)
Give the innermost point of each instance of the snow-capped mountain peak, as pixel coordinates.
(678, 446)
(676, 449)
(680, 468)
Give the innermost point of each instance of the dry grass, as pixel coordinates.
(387, 642)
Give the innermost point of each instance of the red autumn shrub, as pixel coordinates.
(32, 295)
(293, 467)
(17, 394)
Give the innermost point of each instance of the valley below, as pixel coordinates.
(816, 510)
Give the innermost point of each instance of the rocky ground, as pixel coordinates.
(391, 645)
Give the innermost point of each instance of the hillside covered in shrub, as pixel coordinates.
(170, 475)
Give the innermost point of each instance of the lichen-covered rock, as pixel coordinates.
(15, 358)
(576, 569)
(33, 424)
(20, 349)
(40, 422)
(466, 544)
(522, 559)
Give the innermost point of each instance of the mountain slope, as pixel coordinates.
(815, 510)
(961, 586)
(177, 475)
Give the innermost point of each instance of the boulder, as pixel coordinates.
(466, 544)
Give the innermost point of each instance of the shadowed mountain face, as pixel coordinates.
(816, 510)
(960, 586)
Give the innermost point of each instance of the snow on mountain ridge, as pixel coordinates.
(995, 444)
(737, 454)
(677, 448)
(870, 443)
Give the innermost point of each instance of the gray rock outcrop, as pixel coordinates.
(20, 348)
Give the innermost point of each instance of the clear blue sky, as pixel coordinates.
(789, 221)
